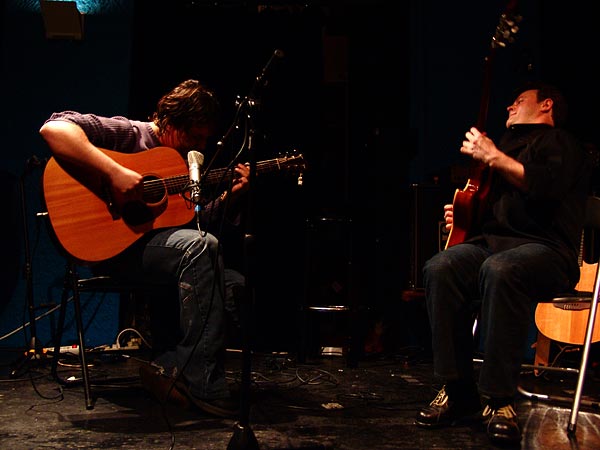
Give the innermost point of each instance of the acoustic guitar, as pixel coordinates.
(567, 321)
(469, 202)
(85, 221)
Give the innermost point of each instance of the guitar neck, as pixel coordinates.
(177, 183)
(218, 175)
(469, 204)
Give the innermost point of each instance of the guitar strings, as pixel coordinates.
(176, 184)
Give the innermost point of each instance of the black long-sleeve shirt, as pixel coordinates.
(552, 209)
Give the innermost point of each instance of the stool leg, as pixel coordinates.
(84, 368)
(79, 322)
(61, 324)
(354, 343)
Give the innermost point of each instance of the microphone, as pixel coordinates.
(195, 161)
(276, 54)
(260, 79)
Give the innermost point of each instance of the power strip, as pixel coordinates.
(74, 349)
(115, 348)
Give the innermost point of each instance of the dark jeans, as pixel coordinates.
(187, 263)
(502, 288)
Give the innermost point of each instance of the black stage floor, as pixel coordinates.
(319, 405)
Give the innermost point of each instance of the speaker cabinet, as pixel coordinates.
(427, 230)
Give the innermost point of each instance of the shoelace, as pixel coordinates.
(440, 399)
(504, 411)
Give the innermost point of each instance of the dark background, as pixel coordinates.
(376, 95)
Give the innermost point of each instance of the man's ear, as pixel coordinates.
(547, 104)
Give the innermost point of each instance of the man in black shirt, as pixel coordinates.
(523, 249)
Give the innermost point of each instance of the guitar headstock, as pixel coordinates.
(293, 161)
(507, 28)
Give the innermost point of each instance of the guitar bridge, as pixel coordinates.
(572, 306)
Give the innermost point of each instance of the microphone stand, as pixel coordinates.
(34, 349)
(243, 437)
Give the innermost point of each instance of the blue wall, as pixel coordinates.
(40, 76)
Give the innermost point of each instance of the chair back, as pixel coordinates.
(590, 247)
(592, 212)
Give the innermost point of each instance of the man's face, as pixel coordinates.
(525, 109)
(184, 141)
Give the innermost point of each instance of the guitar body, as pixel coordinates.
(462, 207)
(468, 205)
(79, 208)
(90, 229)
(567, 325)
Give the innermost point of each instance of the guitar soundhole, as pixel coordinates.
(139, 213)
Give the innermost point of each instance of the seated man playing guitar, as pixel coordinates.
(184, 259)
(524, 249)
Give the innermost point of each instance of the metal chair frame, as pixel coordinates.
(592, 221)
(76, 285)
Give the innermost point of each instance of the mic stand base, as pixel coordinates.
(243, 439)
(31, 358)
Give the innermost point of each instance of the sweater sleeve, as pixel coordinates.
(111, 133)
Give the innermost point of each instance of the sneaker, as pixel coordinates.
(501, 423)
(443, 411)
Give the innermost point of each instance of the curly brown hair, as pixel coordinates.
(188, 105)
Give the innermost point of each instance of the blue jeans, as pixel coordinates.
(466, 280)
(189, 262)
